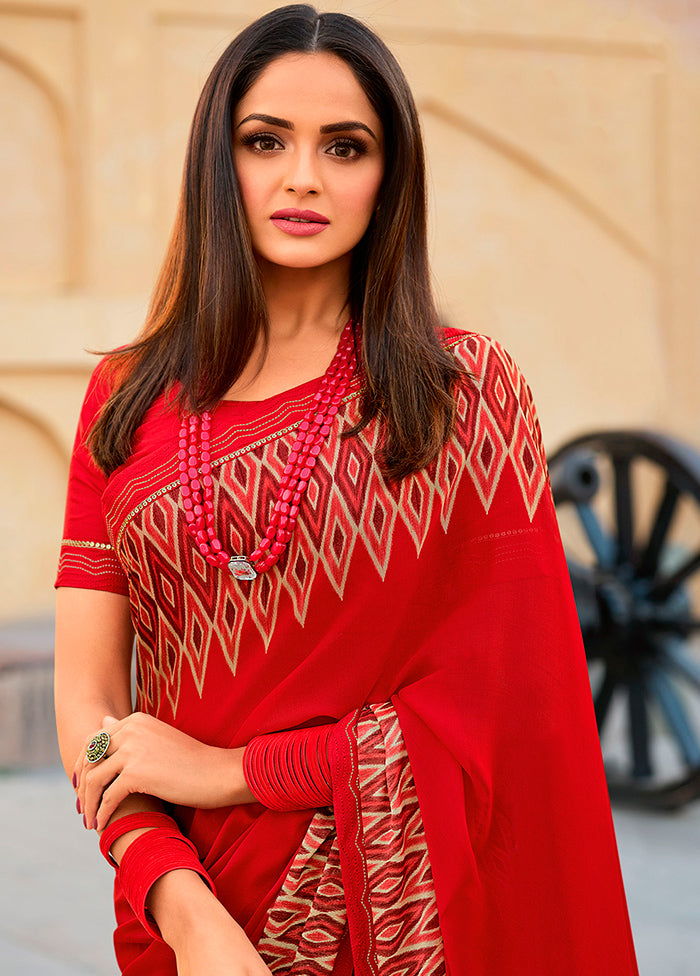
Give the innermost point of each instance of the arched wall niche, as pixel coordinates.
(541, 171)
(519, 247)
(32, 492)
(38, 180)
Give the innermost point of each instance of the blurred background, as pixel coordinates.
(563, 141)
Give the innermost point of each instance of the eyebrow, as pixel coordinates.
(348, 126)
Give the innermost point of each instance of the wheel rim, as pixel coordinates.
(628, 504)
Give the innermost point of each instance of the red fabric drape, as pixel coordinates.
(446, 595)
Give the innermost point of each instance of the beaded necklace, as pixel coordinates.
(197, 485)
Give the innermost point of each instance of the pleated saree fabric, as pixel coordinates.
(432, 622)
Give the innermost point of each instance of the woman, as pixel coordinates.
(363, 739)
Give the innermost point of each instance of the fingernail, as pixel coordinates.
(75, 781)
(94, 824)
(77, 805)
(85, 822)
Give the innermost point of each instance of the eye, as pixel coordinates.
(262, 142)
(347, 149)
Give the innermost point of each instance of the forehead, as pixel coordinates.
(316, 88)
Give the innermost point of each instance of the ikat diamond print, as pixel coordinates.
(348, 506)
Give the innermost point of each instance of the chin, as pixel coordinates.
(300, 262)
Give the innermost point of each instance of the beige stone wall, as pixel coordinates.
(563, 139)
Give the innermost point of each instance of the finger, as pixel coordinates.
(96, 781)
(82, 804)
(81, 762)
(112, 796)
(79, 770)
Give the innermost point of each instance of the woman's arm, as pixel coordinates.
(92, 678)
(147, 758)
(94, 640)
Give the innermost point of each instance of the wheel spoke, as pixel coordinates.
(603, 698)
(676, 716)
(683, 663)
(662, 522)
(623, 509)
(665, 587)
(639, 729)
(600, 543)
(681, 625)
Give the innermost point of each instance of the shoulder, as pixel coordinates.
(478, 352)
(489, 369)
(102, 378)
(102, 383)
(494, 399)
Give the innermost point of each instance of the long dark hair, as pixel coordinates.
(208, 306)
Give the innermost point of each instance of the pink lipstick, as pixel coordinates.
(299, 223)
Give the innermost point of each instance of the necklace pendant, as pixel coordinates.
(241, 568)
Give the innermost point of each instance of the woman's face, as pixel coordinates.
(309, 156)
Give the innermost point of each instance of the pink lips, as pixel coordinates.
(299, 223)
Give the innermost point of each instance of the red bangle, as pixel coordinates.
(147, 859)
(161, 849)
(132, 821)
(290, 770)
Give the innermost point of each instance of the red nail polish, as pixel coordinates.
(85, 822)
(75, 781)
(94, 824)
(77, 805)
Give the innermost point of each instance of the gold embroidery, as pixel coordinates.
(215, 464)
(85, 544)
(144, 504)
(270, 437)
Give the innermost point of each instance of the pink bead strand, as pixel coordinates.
(197, 486)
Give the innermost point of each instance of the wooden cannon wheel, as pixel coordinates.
(628, 504)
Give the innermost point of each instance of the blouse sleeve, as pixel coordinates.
(87, 557)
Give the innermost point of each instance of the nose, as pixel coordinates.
(303, 176)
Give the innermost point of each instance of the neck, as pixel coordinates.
(301, 300)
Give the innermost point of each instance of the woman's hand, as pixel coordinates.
(204, 937)
(148, 756)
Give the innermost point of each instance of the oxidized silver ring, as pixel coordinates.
(97, 747)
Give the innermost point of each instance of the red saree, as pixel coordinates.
(433, 620)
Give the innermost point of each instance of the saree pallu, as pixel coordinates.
(432, 620)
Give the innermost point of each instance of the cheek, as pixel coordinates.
(250, 186)
(362, 196)
(246, 189)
